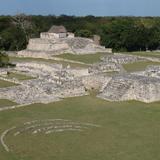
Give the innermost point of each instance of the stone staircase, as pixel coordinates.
(115, 89)
(78, 43)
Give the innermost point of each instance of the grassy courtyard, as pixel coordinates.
(129, 131)
(4, 84)
(138, 66)
(5, 103)
(145, 54)
(88, 58)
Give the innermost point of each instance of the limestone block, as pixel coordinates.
(95, 81)
(78, 72)
(46, 45)
(121, 59)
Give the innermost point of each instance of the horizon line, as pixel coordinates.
(87, 15)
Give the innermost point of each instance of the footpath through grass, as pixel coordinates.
(129, 131)
(25, 59)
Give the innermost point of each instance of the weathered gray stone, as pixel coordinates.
(121, 59)
(104, 67)
(52, 83)
(132, 87)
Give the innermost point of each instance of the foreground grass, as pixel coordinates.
(4, 84)
(88, 58)
(130, 131)
(5, 103)
(138, 66)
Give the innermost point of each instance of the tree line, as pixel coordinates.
(119, 33)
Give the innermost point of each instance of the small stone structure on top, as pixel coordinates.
(54, 32)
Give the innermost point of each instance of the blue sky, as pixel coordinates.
(82, 7)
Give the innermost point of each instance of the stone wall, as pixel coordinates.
(72, 88)
(52, 36)
(122, 59)
(104, 67)
(46, 45)
(34, 54)
(46, 35)
(44, 67)
(96, 82)
(70, 35)
(78, 72)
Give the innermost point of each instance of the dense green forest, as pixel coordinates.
(119, 33)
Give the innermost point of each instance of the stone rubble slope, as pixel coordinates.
(132, 87)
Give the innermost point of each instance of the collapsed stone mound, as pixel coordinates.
(80, 45)
(132, 87)
(52, 82)
(26, 94)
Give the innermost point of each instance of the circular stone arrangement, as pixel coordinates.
(46, 127)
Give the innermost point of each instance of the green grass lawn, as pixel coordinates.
(19, 76)
(24, 59)
(130, 131)
(145, 54)
(88, 58)
(5, 103)
(4, 84)
(138, 66)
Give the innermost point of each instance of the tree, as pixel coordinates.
(13, 39)
(83, 33)
(23, 22)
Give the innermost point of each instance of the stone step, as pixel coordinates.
(116, 88)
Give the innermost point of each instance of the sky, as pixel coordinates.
(81, 7)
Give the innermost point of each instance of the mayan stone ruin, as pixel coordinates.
(58, 41)
(52, 81)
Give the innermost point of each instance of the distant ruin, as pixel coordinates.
(58, 41)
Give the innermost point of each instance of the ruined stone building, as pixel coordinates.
(58, 41)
